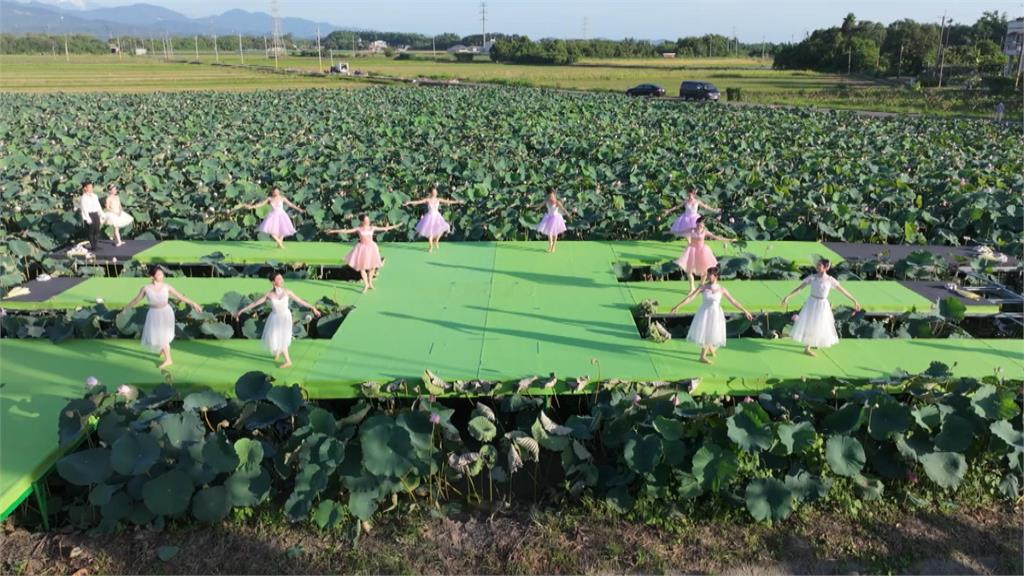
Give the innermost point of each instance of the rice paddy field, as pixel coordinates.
(111, 74)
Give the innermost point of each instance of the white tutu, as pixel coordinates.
(159, 328)
(277, 333)
(815, 326)
(117, 220)
(708, 326)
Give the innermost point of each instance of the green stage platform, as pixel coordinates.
(250, 252)
(766, 295)
(117, 292)
(648, 252)
(496, 311)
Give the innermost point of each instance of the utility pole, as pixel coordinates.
(319, 54)
(433, 46)
(849, 59)
(483, 23)
(67, 54)
(899, 67)
(118, 47)
(196, 38)
(241, 55)
(266, 52)
(762, 47)
(331, 52)
(938, 54)
(216, 52)
(735, 42)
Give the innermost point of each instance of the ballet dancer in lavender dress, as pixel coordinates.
(687, 221)
(815, 327)
(433, 225)
(158, 331)
(277, 332)
(365, 256)
(277, 224)
(708, 327)
(553, 222)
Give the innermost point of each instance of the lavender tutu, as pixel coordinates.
(432, 225)
(552, 225)
(698, 257)
(277, 223)
(684, 224)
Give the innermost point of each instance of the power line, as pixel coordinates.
(585, 35)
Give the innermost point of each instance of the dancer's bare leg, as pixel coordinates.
(287, 359)
(809, 352)
(689, 275)
(279, 240)
(166, 353)
(366, 281)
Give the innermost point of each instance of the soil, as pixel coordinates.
(536, 541)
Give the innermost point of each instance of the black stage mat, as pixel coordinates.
(39, 290)
(933, 291)
(106, 251)
(860, 251)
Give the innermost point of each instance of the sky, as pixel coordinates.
(750, 20)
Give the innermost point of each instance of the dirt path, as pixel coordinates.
(985, 541)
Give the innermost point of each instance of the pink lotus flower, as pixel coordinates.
(432, 398)
(675, 399)
(124, 390)
(435, 419)
(636, 399)
(747, 400)
(911, 477)
(794, 317)
(91, 382)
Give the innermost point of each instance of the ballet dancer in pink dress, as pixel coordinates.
(815, 327)
(698, 257)
(432, 225)
(708, 327)
(553, 222)
(277, 224)
(365, 256)
(687, 221)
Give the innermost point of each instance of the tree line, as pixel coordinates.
(903, 48)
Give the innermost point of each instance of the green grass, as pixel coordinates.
(108, 73)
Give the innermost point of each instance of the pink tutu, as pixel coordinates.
(277, 223)
(697, 258)
(685, 224)
(432, 225)
(365, 256)
(553, 224)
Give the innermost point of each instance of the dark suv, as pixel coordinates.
(646, 90)
(698, 91)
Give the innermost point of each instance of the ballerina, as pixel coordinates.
(432, 225)
(687, 221)
(708, 327)
(114, 216)
(365, 256)
(553, 222)
(277, 332)
(276, 224)
(158, 331)
(698, 258)
(815, 327)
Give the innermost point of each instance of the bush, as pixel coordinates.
(734, 94)
(159, 455)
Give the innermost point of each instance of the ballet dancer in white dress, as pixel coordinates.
(815, 327)
(114, 216)
(158, 332)
(277, 332)
(708, 327)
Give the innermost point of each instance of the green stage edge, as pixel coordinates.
(494, 311)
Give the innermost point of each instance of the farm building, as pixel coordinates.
(378, 46)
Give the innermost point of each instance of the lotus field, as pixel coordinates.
(185, 161)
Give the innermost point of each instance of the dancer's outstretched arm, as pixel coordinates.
(252, 305)
(856, 305)
(138, 298)
(709, 208)
(737, 304)
(415, 202)
(294, 207)
(302, 302)
(256, 205)
(689, 298)
(341, 231)
(785, 299)
(720, 238)
(386, 228)
(674, 208)
(181, 297)
(450, 202)
(564, 211)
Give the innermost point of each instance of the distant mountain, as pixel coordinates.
(145, 20)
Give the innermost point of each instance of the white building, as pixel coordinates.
(378, 46)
